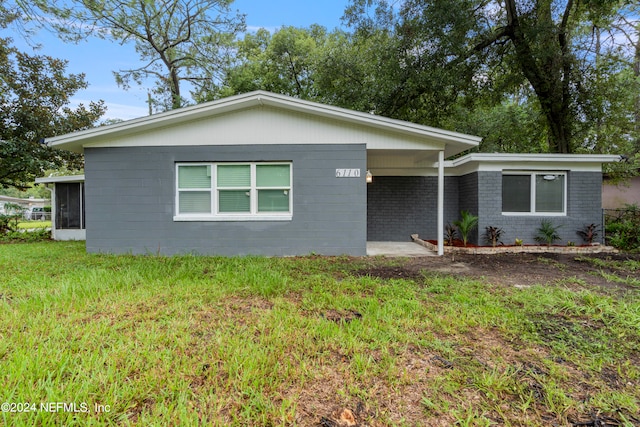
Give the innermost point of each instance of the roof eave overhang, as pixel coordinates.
(61, 179)
(533, 157)
(503, 161)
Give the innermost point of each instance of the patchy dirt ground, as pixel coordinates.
(486, 352)
(522, 269)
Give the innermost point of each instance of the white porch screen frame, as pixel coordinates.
(534, 203)
(217, 196)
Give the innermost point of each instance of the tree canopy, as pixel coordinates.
(548, 76)
(179, 42)
(476, 52)
(35, 95)
(284, 62)
(539, 76)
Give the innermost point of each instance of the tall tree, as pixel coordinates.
(283, 62)
(361, 72)
(35, 95)
(180, 42)
(627, 23)
(477, 44)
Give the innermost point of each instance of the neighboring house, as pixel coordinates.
(25, 204)
(617, 195)
(267, 174)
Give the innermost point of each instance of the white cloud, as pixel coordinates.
(124, 112)
(116, 111)
(255, 28)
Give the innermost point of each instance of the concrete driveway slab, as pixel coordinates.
(397, 249)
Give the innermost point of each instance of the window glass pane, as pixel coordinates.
(272, 176)
(233, 201)
(516, 193)
(194, 176)
(273, 200)
(234, 176)
(550, 193)
(195, 202)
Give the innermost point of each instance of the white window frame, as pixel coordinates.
(532, 193)
(253, 214)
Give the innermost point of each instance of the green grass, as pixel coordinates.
(275, 341)
(621, 271)
(24, 225)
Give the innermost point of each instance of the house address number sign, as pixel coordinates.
(347, 173)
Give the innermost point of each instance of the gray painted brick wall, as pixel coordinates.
(468, 200)
(130, 202)
(399, 206)
(468, 194)
(584, 206)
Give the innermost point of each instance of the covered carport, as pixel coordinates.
(407, 185)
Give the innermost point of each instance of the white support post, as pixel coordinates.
(441, 203)
(52, 217)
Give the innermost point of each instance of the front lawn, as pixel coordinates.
(147, 340)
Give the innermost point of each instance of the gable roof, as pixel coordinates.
(421, 137)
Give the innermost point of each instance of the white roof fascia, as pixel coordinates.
(75, 141)
(535, 157)
(65, 178)
(488, 162)
(9, 199)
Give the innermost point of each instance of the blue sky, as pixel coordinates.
(98, 58)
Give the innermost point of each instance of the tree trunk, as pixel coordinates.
(176, 98)
(636, 73)
(559, 129)
(548, 75)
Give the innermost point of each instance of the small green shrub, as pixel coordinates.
(624, 235)
(9, 223)
(623, 230)
(25, 236)
(547, 233)
(466, 224)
